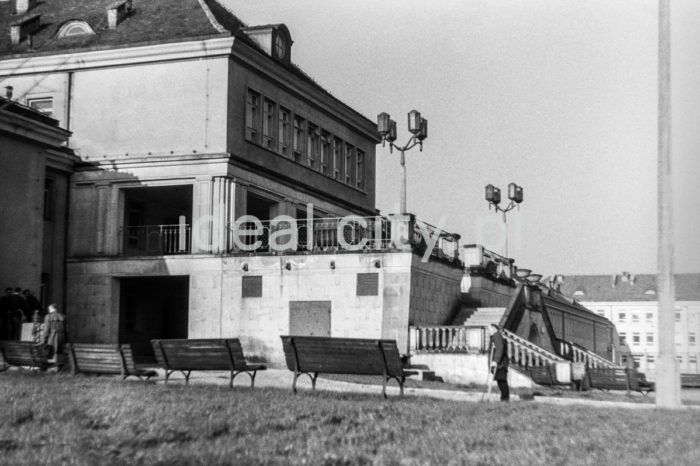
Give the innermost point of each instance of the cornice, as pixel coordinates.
(20, 126)
(117, 56)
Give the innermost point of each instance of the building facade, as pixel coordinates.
(211, 169)
(33, 201)
(630, 302)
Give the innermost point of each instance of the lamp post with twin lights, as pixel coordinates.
(493, 197)
(418, 126)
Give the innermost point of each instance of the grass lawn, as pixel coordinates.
(58, 419)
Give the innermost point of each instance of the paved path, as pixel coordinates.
(280, 378)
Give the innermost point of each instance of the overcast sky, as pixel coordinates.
(559, 96)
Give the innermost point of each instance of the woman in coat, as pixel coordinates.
(55, 333)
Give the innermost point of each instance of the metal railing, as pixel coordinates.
(319, 235)
(448, 339)
(477, 257)
(154, 240)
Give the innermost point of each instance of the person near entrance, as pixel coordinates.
(55, 334)
(499, 361)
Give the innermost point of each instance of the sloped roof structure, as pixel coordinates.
(627, 287)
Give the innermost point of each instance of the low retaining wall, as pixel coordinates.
(465, 369)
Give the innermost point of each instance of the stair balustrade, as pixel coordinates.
(448, 339)
(576, 353)
(525, 353)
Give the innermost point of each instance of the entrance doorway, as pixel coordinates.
(152, 308)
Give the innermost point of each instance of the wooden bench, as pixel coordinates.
(690, 380)
(108, 359)
(619, 379)
(212, 354)
(24, 354)
(356, 356)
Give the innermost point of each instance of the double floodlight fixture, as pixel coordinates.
(493, 197)
(417, 125)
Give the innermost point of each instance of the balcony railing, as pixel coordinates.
(156, 240)
(476, 257)
(281, 236)
(577, 353)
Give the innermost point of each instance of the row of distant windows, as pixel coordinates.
(650, 317)
(281, 130)
(651, 359)
(636, 338)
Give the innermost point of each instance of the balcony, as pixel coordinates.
(290, 236)
(156, 240)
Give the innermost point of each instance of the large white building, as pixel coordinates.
(631, 303)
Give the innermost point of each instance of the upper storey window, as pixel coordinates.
(75, 28)
(252, 117)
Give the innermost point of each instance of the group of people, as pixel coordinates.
(19, 307)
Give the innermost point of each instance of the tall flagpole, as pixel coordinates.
(668, 390)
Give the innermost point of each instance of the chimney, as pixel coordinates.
(117, 11)
(23, 6)
(8, 92)
(23, 27)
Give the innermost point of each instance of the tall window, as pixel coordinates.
(326, 153)
(252, 117)
(650, 317)
(621, 317)
(650, 338)
(42, 104)
(313, 146)
(268, 124)
(49, 198)
(635, 317)
(338, 163)
(691, 338)
(299, 137)
(360, 170)
(635, 338)
(349, 166)
(284, 133)
(623, 338)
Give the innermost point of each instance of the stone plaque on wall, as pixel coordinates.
(252, 286)
(367, 284)
(310, 318)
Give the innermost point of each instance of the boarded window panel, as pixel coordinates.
(312, 318)
(367, 284)
(252, 286)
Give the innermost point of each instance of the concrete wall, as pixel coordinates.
(435, 292)
(467, 369)
(217, 307)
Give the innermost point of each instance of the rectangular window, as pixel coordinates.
(360, 170)
(349, 165)
(284, 133)
(693, 360)
(635, 317)
(650, 317)
(326, 161)
(268, 124)
(623, 338)
(635, 338)
(299, 138)
(252, 286)
(252, 117)
(601, 312)
(650, 362)
(691, 338)
(42, 104)
(338, 159)
(313, 146)
(636, 360)
(621, 317)
(49, 198)
(678, 316)
(650, 338)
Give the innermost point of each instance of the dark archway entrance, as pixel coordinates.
(151, 308)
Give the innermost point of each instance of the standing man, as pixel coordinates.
(499, 363)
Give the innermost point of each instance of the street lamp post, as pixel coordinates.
(493, 197)
(418, 126)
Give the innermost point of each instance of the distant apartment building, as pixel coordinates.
(630, 302)
(202, 147)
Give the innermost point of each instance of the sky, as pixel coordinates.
(558, 96)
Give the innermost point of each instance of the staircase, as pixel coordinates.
(485, 316)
